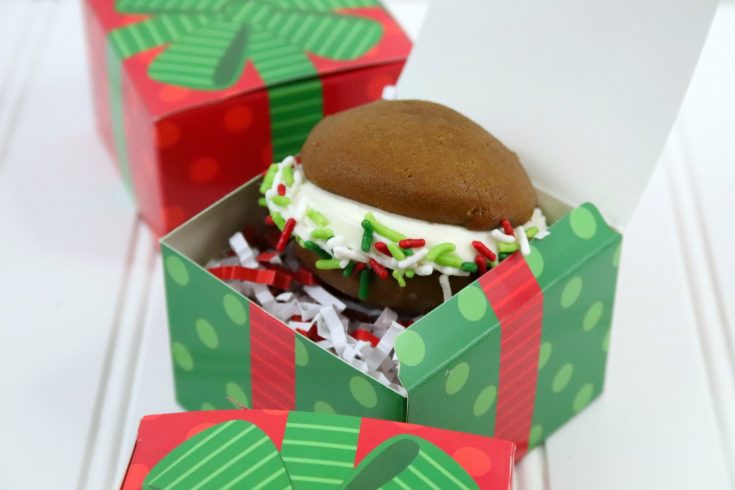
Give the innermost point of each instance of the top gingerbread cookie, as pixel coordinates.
(422, 160)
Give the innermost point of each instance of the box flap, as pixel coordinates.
(585, 91)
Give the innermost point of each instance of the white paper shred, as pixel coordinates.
(304, 307)
(324, 297)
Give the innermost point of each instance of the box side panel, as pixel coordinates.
(207, 151)
(576, 266)
(356, 87)
(451, 362)
(210, 337)
(325, 383)
(96, 44)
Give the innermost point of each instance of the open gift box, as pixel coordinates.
(522, 349)
(195, 98)
(251, 449)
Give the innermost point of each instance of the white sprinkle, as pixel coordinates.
(451, 271)
(344, 263)
(413, 259)
(523, 241)
(424, 270)
(347, 253)
(335, 241)
(499, 236)
(446, 288)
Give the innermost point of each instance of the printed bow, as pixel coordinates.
(208, 41)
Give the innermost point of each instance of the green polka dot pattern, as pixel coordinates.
(347, 391)
(460, 393)
(578, 279)
(210, 337)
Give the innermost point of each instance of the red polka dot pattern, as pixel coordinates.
(475, 461)
(203, 170)
(167, 134)
(238, 119)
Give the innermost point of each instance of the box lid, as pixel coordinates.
(269, 448)
(184, 54)
(585, 91)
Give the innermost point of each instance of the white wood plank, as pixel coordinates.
(708, 127)
(65, 221)
(654, 427)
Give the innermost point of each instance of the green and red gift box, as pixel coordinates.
(514, 355)
(195, 98)
(258, 449)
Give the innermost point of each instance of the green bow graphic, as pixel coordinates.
(239, 455)
(208, 42)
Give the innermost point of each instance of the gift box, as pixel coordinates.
(195, 98)
(251, 449)
(522, 349)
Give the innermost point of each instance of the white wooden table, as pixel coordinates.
(83, 340)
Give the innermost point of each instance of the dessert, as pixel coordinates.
(400, 203)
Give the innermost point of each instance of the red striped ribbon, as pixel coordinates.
(272, 362)
(517, 300)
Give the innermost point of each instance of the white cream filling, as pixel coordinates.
(346, 215)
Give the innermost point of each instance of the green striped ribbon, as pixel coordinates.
(208, 42)
(234, 454)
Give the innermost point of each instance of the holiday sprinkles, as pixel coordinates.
(358, 239)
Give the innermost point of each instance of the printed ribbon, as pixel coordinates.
(208, 42)
(517, 299)
(317, 452)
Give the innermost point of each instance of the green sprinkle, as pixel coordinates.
(410, 273)
(396, 251)
(349, 269)
(438, 250)
(309, 245)
(299, 241)
(469, 267)
(507, 247)
(317, 217)
(384, 230)
(531, 232)
(364, 283)
(325, 264)
(323, 233)
(281, 200)
(268, 179)
(278, 220)
(287, 175)
(449, 260)
(262, 203)
(502, 257)
(398, 276)
(407, 252)
(367, 235)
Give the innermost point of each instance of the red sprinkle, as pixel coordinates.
(507, 228)
(378, 269)
(481, 265)
(358, 267)
(281, 189)
(482, 248)
(269, 220)
(382, 248)
(285, 234)
(366, 336)
(412, 243)
(298, 159)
